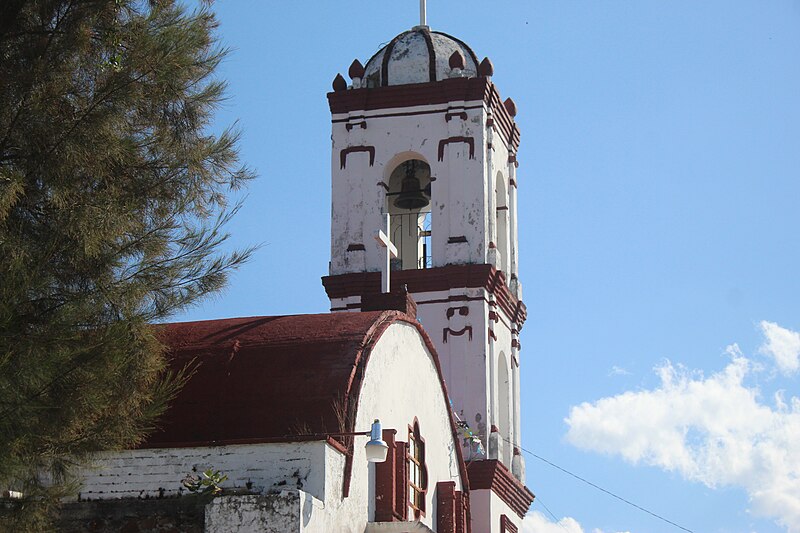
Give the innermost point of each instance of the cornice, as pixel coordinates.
(432, 280)
(492, 475)
(431, 93)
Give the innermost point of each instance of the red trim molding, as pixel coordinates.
(463, 518)
(432, 280)
(506, 525)
(446, 507)
(493, 475)
(396, 300)
(390, 487)
(401, 114)
(452, 509)
(345, 152)
(461, 114)
(465, 329)
(462, 310)
(431, 93)
(470, 141)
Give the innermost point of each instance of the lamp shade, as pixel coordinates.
(376, 448)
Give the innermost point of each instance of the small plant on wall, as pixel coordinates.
(207, 483)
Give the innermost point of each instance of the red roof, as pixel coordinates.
(264, 379)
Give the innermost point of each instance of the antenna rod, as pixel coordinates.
(423, 18)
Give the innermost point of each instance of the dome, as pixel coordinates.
(420, 56)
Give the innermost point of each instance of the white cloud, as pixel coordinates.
(714, 430)
(783, 345)
(536, 522)
(618, 371)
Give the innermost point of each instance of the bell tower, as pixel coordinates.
(422, 134)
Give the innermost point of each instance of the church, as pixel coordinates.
(398, 410)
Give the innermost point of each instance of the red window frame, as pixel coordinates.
(416, 471)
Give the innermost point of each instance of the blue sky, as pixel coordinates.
(658, 194)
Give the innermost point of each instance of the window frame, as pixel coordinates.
(415, 459)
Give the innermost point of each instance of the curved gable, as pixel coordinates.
(400, 381)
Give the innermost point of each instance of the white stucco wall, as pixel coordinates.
(470, 366)
(459, 204)
(470, 360)
(400, 383)
(486, 508)
(466, 194)
(463, 357)
(463, 203)
(158, 472)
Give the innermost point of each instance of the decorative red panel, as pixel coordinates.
(401, 482)
(446, 507)
(390, 481)
(385, 480)
(506, 525)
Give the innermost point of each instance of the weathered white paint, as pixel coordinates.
(514, 284)
(502, 242)
(459, 204)
(409, 59)
(285, 512)
(397, 527)
(468, 365)
(400, 383)
(152, 473)
(504, 391)
(486, 509)
(465, 198)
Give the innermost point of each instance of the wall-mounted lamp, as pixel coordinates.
(376, 448)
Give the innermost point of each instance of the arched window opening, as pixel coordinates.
(504, 411)
(417, 471)
(501, 201)
(408, 202)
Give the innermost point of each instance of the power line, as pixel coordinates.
(598, 487)
(555, 520)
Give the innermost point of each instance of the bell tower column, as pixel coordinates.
(422, 134)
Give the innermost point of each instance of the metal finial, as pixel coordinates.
(423, 17)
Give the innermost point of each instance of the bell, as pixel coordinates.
(411, 194)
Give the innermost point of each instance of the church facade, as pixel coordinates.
(422, 334)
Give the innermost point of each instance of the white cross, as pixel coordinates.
(391, 251)
(423, 18)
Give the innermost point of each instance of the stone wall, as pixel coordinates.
(168, 515)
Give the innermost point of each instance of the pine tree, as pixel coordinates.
(112, 207)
